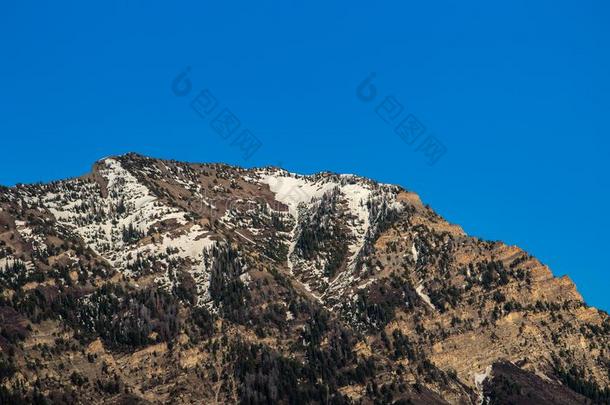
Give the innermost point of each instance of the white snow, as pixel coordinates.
(291, 189)
(37, 241)
(366, 284)
(4, 261)
(245, 278)
(301, 193)
(166, 236)
(190, 244)
(357, 196)
(420, 291)
(479, 379)
(245, 237)
(100, 223)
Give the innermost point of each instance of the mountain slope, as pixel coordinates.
(151, 281)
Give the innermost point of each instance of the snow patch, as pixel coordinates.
(100, 221)
(420, 291)
(479, 379)
(363, 200)
(292, 190)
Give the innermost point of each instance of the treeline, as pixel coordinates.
(227, 290)
(375, 306)
(321, 233)
(121, 316)
(576, 379)
(125, 318)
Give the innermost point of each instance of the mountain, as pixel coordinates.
(153, 281)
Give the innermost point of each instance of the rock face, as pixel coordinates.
(151, 281)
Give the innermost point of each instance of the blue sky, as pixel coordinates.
(516, 92)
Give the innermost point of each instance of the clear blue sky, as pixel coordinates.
(518, 93)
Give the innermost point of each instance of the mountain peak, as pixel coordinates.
(322, 287)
